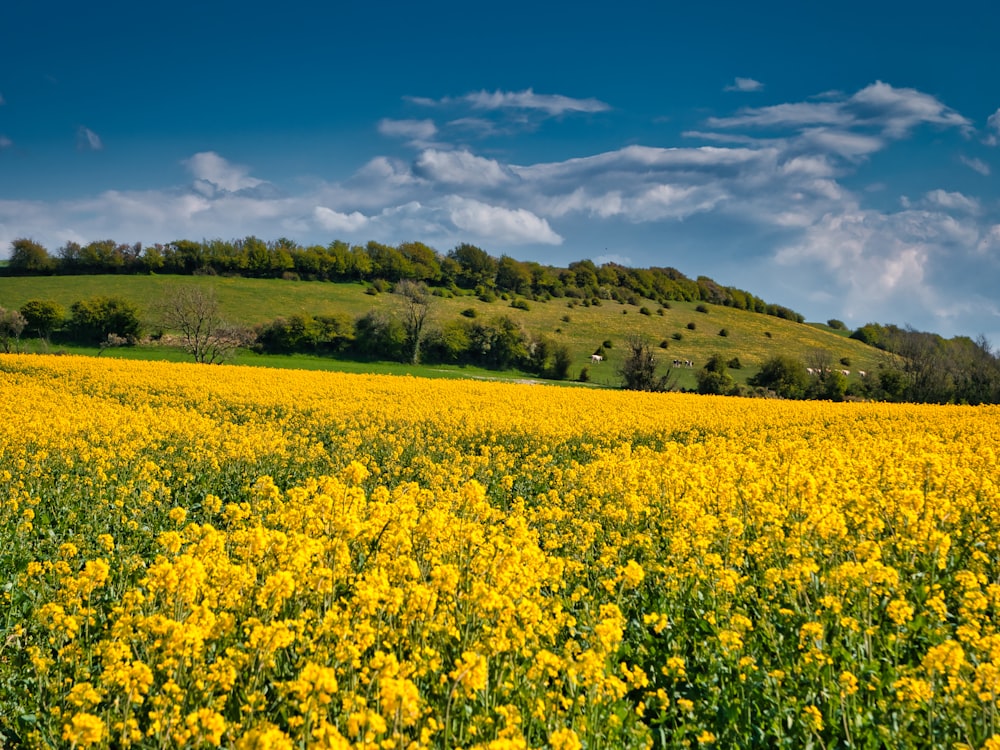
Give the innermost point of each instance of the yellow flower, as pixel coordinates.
(83, 730)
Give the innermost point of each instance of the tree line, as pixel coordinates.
(466, 267)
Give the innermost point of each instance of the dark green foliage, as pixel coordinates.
(714, 377)
(638, 370)
(845, 361)
(837, 325)
(784, 375)
(677, 336)
(469, 312)
(734, 364)
(701, 309)
(645, 311)
(380, 336)
(607, 344)
(42, 317)
(691, 326)
(584, 375)
(724, 332)
(664, 344)
(520, 304)
(93, 320)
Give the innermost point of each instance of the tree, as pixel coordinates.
(194, 313)
(29, 257)
(638, 370)
(476, 266)
(94, 319)
(11, 325)
(784, 375)
(714, 377)
(416, 308)
(42, 316)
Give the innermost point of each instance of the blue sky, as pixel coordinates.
(837, 158)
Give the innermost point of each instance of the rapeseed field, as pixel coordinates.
(197, 557)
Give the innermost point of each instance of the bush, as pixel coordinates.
(691, 326)
(837, 325)
(469, 312)
(659, 311)
(701, 309)
(584, 375)
(678, 336)
(664, 344)
(784, 375)
(520, 304)
(42, 316)
(645, 311)
(93, 320)
(607, 343)
(565, 319)
(724, 332)
(845, 361)
(734, 364)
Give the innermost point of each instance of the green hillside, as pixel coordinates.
(752, 337)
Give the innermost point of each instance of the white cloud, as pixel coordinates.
(212, 172)
(952, 201)
(88, 140)
(514, 226)
(976, 164)
(550, 104)
(5, 142)
(335, 221)
(419, 130)
(993, 122)
(460, 168)
(745, 84)
(892, 111)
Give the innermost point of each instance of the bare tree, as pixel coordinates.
(193, 312)
(416, 309)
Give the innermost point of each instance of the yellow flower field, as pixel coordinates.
(220, 556)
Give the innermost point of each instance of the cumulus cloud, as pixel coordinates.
(952, 201)
(514, 226)
(335, 221)
(212, 173)
(745, 84)
(977, 165)
(460, 168)
(419, 130)
(88, 140)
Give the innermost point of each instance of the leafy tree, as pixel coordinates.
(512, 275)
(380, 336)
(43, 316)
(11, 325)
(29, 257)
(194, 313)
(714, 377)
(784, 375)
(476, 266)
(638, 369)
(94, 319)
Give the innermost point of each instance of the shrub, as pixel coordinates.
(607, 343)
(724, 332)
(42, 316)
(664, 344)
(691, 326)
(701, 309)
(469, 312)
(565, 318)
(845, 361)
(678, 336)
(94, 319)
(645, 311)
(734, 364)
(520, 304)
(837, 325)
(584, 375)
(659, 311)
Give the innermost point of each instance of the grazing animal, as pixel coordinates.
(596, 358)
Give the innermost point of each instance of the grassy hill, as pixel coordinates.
(752, 337)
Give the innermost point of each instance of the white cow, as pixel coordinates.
(596, 358)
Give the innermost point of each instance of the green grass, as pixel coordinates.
(753, 337)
